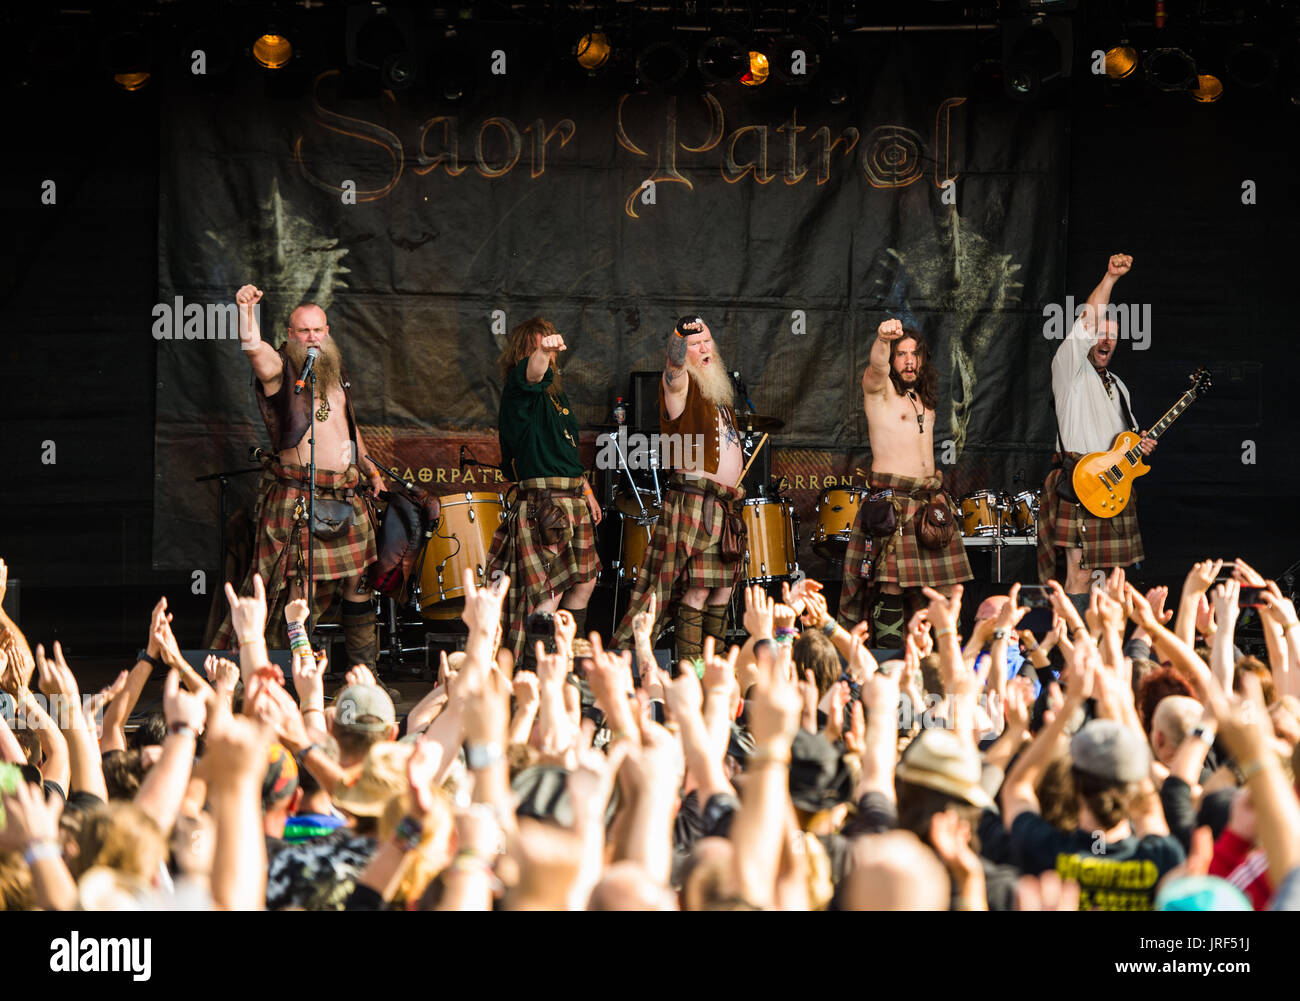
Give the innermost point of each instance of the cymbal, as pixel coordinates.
(757, 422)
(626, 505)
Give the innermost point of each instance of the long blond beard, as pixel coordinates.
(329, 364)
(713, 380)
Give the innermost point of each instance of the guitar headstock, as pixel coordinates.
(1200, 380)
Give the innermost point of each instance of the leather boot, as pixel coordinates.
(715, 625)
(360, 633)
(689, 632)
(887, 621)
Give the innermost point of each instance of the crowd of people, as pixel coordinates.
(1129, 758)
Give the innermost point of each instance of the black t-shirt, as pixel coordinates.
(1113, 876)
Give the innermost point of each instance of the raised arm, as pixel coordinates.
(540, 360)
(675, 378)
(875, 380)
(1116, 268)
(1072, 356)
(265, 360)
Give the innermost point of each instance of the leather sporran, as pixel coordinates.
(331, 519)
(548, 520)
(879, 518)
(935, 524)
(734, 534)
(1065, 482)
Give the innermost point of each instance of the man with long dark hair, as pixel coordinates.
(899, 399)
(548, 542)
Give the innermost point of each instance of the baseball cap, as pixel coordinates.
(366, 708)
(940, 760)
(1201, 893)
(1108, 750)
(281, 778)
(383, 776)
(819, 779)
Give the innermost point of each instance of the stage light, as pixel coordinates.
(1036, 57)
(661, 64)
(1208, 89)
(758, 70)
(1170, 69)
(592, 50)
(128, 59)
(722, 59)
(272, 51)
(1251, 66)
(131, 81)
(1121, 61)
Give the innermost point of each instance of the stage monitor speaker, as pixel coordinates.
(643, 402)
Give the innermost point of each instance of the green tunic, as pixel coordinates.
(532, 426)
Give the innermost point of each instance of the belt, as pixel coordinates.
(344, 493)
(535, 495)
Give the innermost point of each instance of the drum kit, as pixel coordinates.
(988, 518)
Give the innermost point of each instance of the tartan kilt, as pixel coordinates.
(1106, 542)
(900, 559)
(335, 560)
(538, 572)
(684, 552)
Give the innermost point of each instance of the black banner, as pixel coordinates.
(428, 230)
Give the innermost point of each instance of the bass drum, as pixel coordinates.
(462, 538)
(837, 510)
(770, 548)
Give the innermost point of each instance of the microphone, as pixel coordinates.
(463, 461)
(312, 354)
(256, 453)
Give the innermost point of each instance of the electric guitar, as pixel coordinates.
(1103, 481)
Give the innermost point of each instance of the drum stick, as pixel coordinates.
(761, 443)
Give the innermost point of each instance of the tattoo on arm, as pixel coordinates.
(672, 375)
(676, 350)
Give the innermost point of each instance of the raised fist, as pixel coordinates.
(692, 324)
(249, 295)
(553, 342)
(890, 330)
(1119, 265)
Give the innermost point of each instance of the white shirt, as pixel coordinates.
(1088, 418)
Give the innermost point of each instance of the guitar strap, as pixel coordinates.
(1124, 410)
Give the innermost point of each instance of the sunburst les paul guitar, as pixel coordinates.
(1103, 481)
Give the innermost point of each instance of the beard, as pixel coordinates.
(713, 381)
(329, 364)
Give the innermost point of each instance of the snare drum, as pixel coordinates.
(638, 530)
(980, 512)
(837, 510)
(770, 546)
(461, 538)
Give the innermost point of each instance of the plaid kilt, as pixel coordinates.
(538, 572)
(279, 554)
(1106, 542)
(900, 559)
(685, 551)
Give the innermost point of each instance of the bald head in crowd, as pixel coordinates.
(896, 872)
(1173, 720)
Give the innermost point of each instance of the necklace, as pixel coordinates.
(1107, 381)
(323, 411)
(920, 414)
(564, 412)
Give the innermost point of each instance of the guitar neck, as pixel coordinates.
(1171, 415)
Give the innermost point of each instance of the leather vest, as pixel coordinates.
(288, 416)
(698, 417)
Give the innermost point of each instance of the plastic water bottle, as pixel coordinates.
(620, 412)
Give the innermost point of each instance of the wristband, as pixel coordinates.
(1001, 633)
(181, 730)
(144, 655)
(298, 641)
(249, 640)
(941, 633)
(786, 631)
(472, 861)
(480, 756)
(308, 749)
(42, 848)
(1249, 770)
(1204, 733)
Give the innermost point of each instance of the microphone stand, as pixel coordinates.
(311, 503)
(223, 483)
